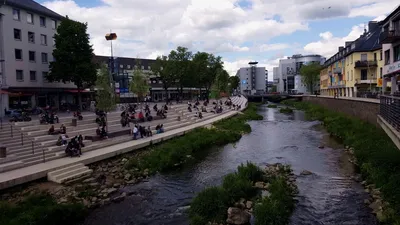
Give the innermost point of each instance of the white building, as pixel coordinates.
(252, 79)
(26, 45)
(288, 76)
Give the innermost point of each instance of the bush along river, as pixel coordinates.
(190, 180)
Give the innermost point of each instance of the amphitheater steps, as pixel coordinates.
(69, 174)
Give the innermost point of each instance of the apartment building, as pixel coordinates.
(124, 68)
(288, 76)
(26, 45)
(252, 79)
(390, 39)
(356, 67)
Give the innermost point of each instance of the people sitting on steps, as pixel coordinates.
(73, 148)
(160, 128)
(148, 116)
(52, 131)
(155, 108)
(203, 109)
(78, 114)
(141, 117)
(101, 132)
(149, 133)
(62, 140)
(63, 129)
(189, 108)
(135, 131)
(199, 115)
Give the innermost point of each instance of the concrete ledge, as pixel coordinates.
(390, 131)
(22, 175)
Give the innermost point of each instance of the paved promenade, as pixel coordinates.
(27, 174)
(372, 100)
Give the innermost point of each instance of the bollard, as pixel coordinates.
(22, 139)
(33, 149)
(11, 131)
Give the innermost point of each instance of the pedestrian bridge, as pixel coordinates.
(271, 97)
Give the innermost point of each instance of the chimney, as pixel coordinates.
(372, 25)
(341, 48)
(347, 43)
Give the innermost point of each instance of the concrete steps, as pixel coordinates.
(69, 174)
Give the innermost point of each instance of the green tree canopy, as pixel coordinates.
(139, 84)
(105, 98)
(73, 56)
(163, 69)
(222, 81)
(234, 82)
(181, 66)
(310, 75)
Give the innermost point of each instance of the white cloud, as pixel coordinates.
(328, 45)
(233, 66)
(150, 28)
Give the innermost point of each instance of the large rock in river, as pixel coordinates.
(237, 216)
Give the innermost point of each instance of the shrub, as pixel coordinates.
(250, 172)
(209, 205)
(272, 106)
(377, 156)
(41, 209)
(238, 187)
(286, 110)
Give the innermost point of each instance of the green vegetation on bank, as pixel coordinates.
(177, 151)
(211, 204)
(271, 106)
(40, 209)
(377, 156)
(286, 110)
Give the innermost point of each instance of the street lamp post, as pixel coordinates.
(1, 84)
(110, 37)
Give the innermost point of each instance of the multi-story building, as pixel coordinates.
(252, 79)
(26, 45)
(390, 39)
(124, 69)
(356, 67)
(288, 73)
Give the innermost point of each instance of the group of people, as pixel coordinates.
(74, 146)
(78, 115)
(48, 117)
(142, 131)
(101, 131)
(161, 112)
(62, 130)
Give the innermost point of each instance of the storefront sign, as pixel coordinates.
(379, 84)
(393, 67)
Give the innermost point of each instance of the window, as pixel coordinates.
(380, 72)
(54, 24)
(351, 77)
(16, 14)
(348, 76)
(121, 66)
(351, 59)
(32, 56)
(142, 67)
(396, 53)
(42, 21)
(128, 66)
(364, 57)
(387, 57)
(32, 75)
(31, 37)
(44, 58)
(18, 54)
(44, 75)
(19, 74)
(380, 55)
(29, 18)
(364, 74)
(43, 39)
(149, 67)
(374, 56)
(17, 34)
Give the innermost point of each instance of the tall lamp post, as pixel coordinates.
(1, 84)
(111, 37)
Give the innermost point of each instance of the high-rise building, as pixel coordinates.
(26, 45)
(252, 79)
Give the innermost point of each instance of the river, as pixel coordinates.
(328, 197)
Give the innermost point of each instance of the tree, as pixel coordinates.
(181, 64)
(310, 75)
(234, 81)
(138, 84)
(163, 70)
(214, 67)
(105, 99)
(200, 66)
(73, 56)
(222, 81)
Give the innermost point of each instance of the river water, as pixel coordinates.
(328, 197)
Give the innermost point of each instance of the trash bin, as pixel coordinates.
(3, 152)
(74, 122)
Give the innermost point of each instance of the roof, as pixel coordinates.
(390, 15)
(124, 61)
(32, 6)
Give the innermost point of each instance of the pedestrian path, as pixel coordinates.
(103, 151)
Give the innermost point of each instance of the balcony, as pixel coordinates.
(373, 81)
(390, 36)
(365, 63)
(338, 84)
(337, 70)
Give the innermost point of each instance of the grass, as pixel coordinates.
(211, 204)
(286, 110)
(41, 209)
(272, 106)
(177, 151)
(377, 156)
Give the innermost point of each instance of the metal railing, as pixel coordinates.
(368, 94)
(389, 110)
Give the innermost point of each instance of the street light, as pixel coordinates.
(111, 37)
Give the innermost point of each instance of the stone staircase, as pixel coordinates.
(70, 174)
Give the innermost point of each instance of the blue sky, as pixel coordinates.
(238, 30)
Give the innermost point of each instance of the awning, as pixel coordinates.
(77, 91)
(4, 92)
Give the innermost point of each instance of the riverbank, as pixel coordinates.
(251, 193)
(374, 153)
(112, 175)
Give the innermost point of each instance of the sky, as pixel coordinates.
(239, 31)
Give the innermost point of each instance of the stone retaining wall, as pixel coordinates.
(367, 111)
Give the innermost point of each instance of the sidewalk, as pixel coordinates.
(372, 100)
